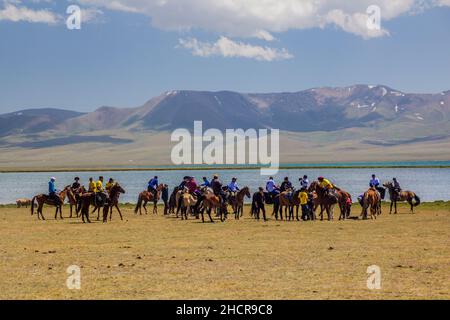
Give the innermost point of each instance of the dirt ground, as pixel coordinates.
(157, 257)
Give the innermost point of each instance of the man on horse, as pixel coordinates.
(375, 183)
(52, 192)
(304, 182)
(286, 186)
(326, 184)
(75, 185)
(271, 188)
(206, 183)
(396, 187)
(109, 185)
(233, 187)
(101, 196)
(92, 186)
(153, 185)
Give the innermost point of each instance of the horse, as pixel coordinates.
(324, 200)
(145, 197)
(113, 202)
(23, 203)
(402, 196)
(42, 199)
(289, 203)
(240, 196)
(172, 201)
(212, 202)
(73, 201)
(372, 200)
(344, 200)
(275, 200)
(187, 203)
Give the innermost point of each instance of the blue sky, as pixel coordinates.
(127, 54)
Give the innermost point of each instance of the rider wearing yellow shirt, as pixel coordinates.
(92, 186)
(101, 196)
(325, 183)
(109, 185)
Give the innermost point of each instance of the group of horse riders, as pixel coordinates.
(95, 187)
(223, 192)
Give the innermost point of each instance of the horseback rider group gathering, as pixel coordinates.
(225, 193)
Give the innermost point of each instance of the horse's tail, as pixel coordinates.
(32, 205)
(138, 204)
(417, 200)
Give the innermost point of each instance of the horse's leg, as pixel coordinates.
(60, 213)
(155, 207)
(395, 205)
(120, 213)
(392, 203)
(145, 207)
(209, 214)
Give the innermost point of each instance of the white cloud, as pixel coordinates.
(229, 48)
(263, 18)
(16, 13)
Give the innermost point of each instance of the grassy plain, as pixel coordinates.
(156, 257)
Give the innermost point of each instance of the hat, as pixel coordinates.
(53, 178)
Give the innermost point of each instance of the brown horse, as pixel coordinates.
(345, 200)
(402, 196)
(211, 202)
(72, 196)
(372, 201)
(45, 199)
(23, 203)
(324, 200)
(146, 197)
(187, 203)
(113, 202)
(240, 196)
(289, 202)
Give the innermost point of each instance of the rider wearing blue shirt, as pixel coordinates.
(233, 186)
(375, 183)
(205, 183)
(52, 191)
(153, 185)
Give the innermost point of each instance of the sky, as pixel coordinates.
(128, 51)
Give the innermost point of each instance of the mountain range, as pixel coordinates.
(369, 115)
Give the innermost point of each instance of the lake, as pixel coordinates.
(431, 184)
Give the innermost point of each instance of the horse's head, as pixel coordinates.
(161, 187)
(247, 192)
(388, 185)
(117, 188)
(313, 186)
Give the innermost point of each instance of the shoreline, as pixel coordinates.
(437, 203)
(209, 168)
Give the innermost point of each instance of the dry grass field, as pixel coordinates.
(156, 257)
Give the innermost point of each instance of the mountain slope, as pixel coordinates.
(34, 120)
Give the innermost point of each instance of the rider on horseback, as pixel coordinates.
(76, 185)
(286, 186)
(396, 188)
(109, 185)
(326, 184)
(271, 188)
(153, 185)
(206, 183)
(375, 183)
(233, 187)
(304, 182)
(52, 192)
(101, 196)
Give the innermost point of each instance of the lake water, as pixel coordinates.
(430, 184)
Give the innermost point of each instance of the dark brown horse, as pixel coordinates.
(345, 203)
(402, 196)
(113, 202)
(289, 200)
(239, 202)
(146, 197)
(42, 199)
(324, 200)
